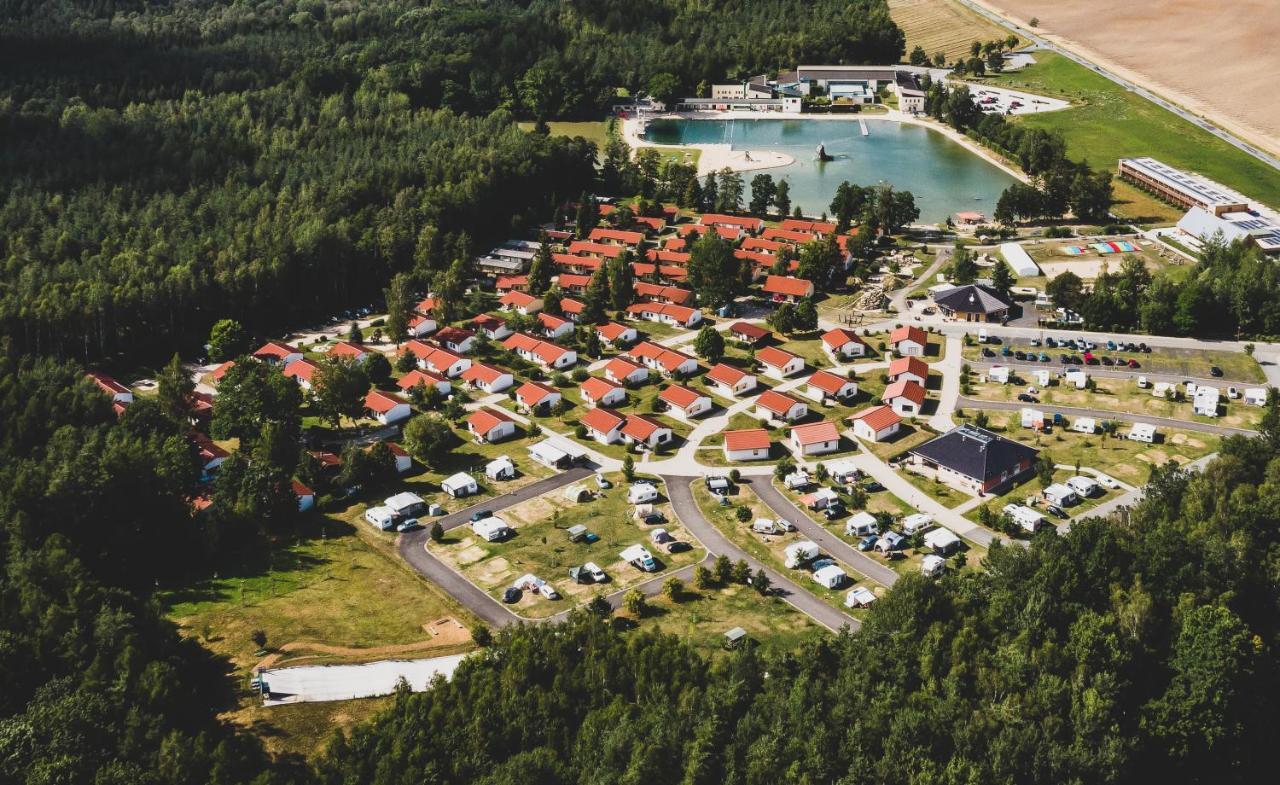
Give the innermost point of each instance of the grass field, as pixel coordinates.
(703, 616)
(593, 131)
(1108, 123)
(541, 547)
(942, 26)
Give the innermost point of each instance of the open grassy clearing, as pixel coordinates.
(329, 587)
(593, 130)
(541, 547)
(1122, 396)
(306, 728)
(942, 26)
(1108, 123)
(703, 616)
(770, 548)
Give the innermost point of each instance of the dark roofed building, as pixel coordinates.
(975, 459)
(973, 303)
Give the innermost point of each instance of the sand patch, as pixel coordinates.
(492, 572)
(470, 554)
(1178, 438)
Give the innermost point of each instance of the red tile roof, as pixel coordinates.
(827, 382)
(840, 336)
(813, 433)
(516, 299)
(680, 396)
(533, 393)
(106, 383)
(775, 357)
(750, 439)
(908, 333)
(587, 248)
(570, 281)
(570, 305)
(877, 417)
(453, 335)
(906, 388)
(551, 321)
(752, 332)
(484, 420)
(575, 262)
(653, 291)
(415, 377)
(629, 238)
(381, 402)
(668, 257)
(611, 331)
(621, 368)
(275, 350)
(506, 283)
(716, 219)
(301, 368)
(640, 427)
(678, 312)
(787, 234)
(786, 285)
(483, 373)
(601, 419)
(488, 322)
(675, 244)
(346, 349)
(761, 244)
(776, 402)
(596, 387)
(804, 225)
(543, 350)
(654, 224)
(726, 374)
(669, 359)
(912, 365)
(217, 373)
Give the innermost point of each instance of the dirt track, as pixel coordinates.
(1216, 59)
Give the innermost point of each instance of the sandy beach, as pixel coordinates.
(715, 157)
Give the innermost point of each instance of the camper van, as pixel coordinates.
(641, 493)
(1061, 495)
(800, 553)
(914, 524)
(639, 557)
(382, 517)
(490, 529)
(932, 566)
(1025, 517)
(1084, 486)
(765, 526)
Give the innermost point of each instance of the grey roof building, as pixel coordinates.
(975, 458)
(974, 302)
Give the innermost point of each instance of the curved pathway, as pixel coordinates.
(682, 501)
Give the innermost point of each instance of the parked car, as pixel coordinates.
(1135, 364)
(1107, 482)
(987, 352)
(1025, 398)
(786, 526)
(1044, 358)
(1108, 361)
(1020, 355)
(408, 525)
(603, 481)
(597, 574)
(511, 595)
(1056, 510)
(873, 487)
(677, 546)
(833, 511)
(1091, 360)
(868, 542)
(549, 591)
(1215, 371)
(480, 515)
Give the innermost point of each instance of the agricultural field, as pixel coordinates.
(942, 26)
(1214, 59)
(1108, 122)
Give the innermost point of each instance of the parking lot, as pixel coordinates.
(998, 100)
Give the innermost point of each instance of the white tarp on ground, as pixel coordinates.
(316, 683)
(1019, 260)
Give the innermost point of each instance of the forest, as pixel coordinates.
(165, 165)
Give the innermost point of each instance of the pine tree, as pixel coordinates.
(596, 297)
(541, 268)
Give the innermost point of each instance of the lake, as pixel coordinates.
(944, 176)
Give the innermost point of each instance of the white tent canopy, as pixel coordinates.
(1019, 260)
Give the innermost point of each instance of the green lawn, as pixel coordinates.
(703, 616)
(1109, 123)
(593, 131)
(541, 547)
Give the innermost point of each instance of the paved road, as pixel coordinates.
(1163, 103)
(1105, 414)
(682, 501)
(1131, 497)
(830, 543)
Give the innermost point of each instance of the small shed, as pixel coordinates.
(460, 484)
(577, 533)
(734, 638)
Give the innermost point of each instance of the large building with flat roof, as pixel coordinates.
(1181, 188)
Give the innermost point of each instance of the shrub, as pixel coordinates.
(743, 514)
